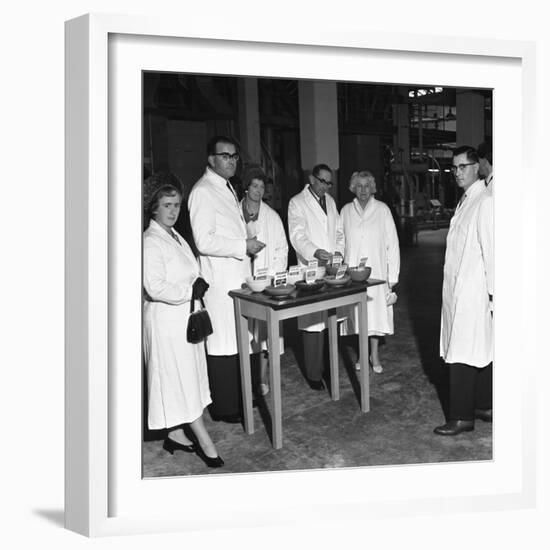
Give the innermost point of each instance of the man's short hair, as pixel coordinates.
(318, 167)
(471, 153)
(484, 152)
(212, 142)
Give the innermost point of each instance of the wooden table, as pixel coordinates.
(255, 305)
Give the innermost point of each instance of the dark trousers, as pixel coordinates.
(224, 377)
(314, 353)
(470, 388)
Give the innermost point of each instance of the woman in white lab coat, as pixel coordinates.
(176, 369)
(265, 224)
(370, 232)
(316, 233)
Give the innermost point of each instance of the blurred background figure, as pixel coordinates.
(370, 232)
(485, 155)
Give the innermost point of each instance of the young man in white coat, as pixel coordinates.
(316, 233)
(219, 232)
(466, 339)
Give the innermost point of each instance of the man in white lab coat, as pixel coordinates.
(220, 236)
(485, 164)
(466, 339)
(316, 233)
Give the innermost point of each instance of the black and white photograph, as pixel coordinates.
(255, 294)
(318, 272)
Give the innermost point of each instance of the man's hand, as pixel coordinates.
(323, 256)
(253, 246)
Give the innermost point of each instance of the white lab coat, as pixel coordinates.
(176, 370)
(466, 320)
(371, 233)
(219, 231)
(489, 183)
(268, 228)
(310, 229)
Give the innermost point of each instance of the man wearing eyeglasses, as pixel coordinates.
(316, 233)
(466, 338)
(219, 231)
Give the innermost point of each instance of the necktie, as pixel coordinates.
(232, 192)
(323, 203)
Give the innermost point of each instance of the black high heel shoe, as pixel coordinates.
(170, 445)
(216, 462)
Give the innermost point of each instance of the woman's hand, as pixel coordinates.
(200, 286)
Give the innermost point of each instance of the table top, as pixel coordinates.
(300, 298)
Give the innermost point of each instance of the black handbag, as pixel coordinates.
(199, 325)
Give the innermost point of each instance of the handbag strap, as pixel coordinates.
(192, 308)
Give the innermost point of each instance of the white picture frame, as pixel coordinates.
(100, 500)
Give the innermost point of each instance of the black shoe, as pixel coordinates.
(455, 427)
(484, 414)
(170, 445)
(317, 385)
(216, 462)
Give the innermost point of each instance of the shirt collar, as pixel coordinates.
(214, 176)
(317, 198)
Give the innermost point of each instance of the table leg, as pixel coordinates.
(364, 354)
(273, 346)
(333, 354)
(241, 323)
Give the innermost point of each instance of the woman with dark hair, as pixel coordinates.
(177, 377)
(265, 224)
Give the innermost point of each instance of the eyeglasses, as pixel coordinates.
(227, 156)
(329, 183)
(461, 167)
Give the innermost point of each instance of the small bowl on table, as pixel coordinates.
(332, 281)
(331, 270)
(359, 274)
(315, 286)
(257, 285)
(279, 291)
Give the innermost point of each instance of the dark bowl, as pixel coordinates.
(359, 274)
(279, 290)
(331, 281)
(311, 287)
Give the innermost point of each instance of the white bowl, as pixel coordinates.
(257, 286)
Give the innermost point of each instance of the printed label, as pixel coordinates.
(294, 271)
(341, 272)
(261, 274)
(312, 264)
(280, 278)
(337, 261)
(311, 275)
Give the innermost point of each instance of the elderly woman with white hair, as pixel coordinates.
(370, 232)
